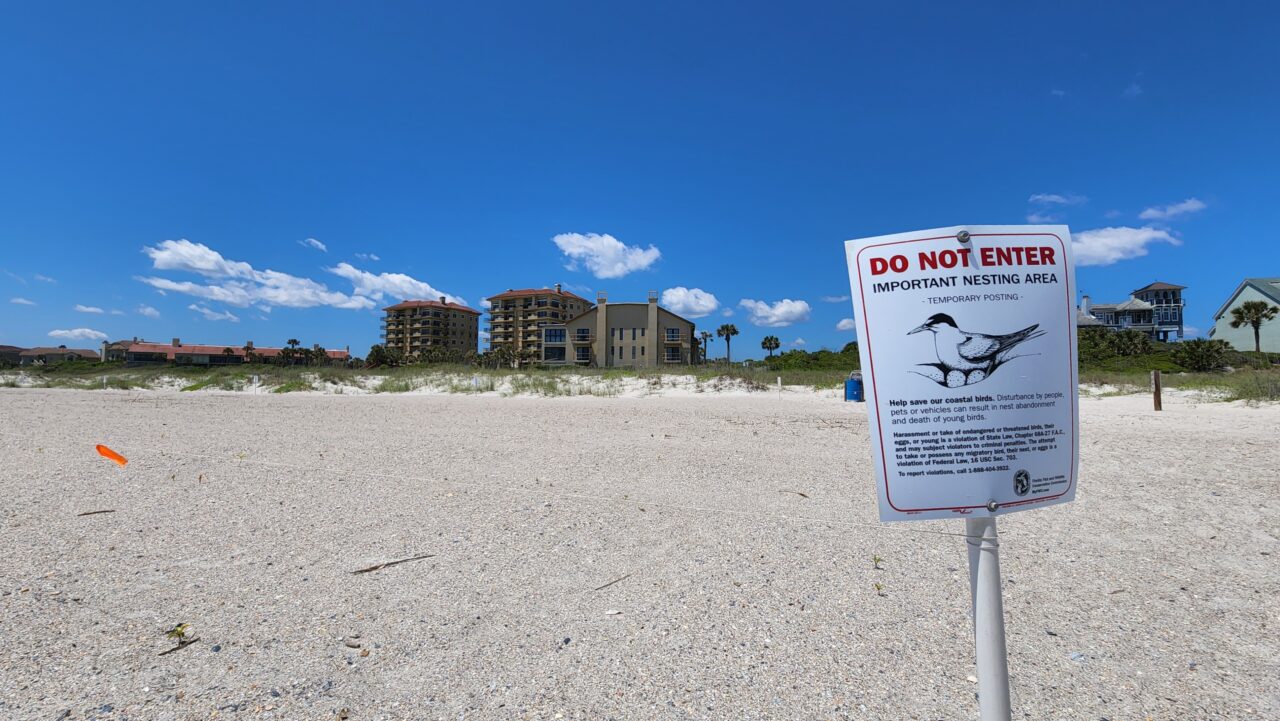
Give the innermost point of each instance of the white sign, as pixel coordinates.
(968, 343)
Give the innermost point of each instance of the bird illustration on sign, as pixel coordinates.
(966, 357)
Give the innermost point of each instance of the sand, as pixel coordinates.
(609, 558)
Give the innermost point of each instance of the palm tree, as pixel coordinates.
(1253, 313)
(706, 341)
(727, 331)
(771, 344)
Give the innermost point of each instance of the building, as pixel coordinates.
(10, 355)
(1155, 309)
(416, 326)
(621, 335)
(179, 353)
(1266, 290)
(517, 317)
(117, 350)
(44, 356)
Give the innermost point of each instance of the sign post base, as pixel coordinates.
(988, 618)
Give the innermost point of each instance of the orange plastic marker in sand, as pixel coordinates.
(111, 455)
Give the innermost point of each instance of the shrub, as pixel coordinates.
(1201, 355)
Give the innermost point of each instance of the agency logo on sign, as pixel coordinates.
(1021, 483)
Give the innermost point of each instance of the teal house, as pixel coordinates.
(1263, 289)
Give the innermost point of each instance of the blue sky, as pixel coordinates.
(166, 164)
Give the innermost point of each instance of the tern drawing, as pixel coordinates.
(966, 357)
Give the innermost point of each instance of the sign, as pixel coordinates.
(967, 337)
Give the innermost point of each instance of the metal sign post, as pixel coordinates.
(988, 619)
(967, 337)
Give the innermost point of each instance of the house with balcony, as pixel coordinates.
(620, 335)
(1155, 309)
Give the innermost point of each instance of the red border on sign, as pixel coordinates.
(866, 324)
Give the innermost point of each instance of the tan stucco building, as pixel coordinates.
(414, 326)
(517, 317)
(621, 335)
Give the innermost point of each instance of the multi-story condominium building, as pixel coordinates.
(517, 317)
(1155, 309)
(627, 335)
(414, 326)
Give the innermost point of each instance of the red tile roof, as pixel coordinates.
(82, 352)
(407, 304)
(170, 351)
(537, 291)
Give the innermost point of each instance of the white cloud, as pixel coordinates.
(210, 314)
(148, 311)
(116, 312)
(689, 302)
(44, 278)
(846, 324)
(604, 255)
(16, 277)
(1057, 199)
(397, 285)
(87, 308)
(78, 334)
(727, 313)
(484, 303)
(22, 301)
(1105, 246)
(313, 243)
(835, 299)
(1133, 90)
(1041, 218)
(1058, 93)
(783, 313)
(1190, 205)
(799, 342)
(367, 256)
(238, 283)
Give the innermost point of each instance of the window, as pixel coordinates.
(642, 332)
(554, 335)
(555, 355)
(673, 355)
(542, 314)
(633, 335)
(673, 334)
(583, 354)
(633, 352)
(642, 351)
(583, 333)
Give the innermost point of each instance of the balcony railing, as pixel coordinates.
(675, 338)
(583, 338)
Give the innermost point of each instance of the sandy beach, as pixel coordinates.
(705, 556)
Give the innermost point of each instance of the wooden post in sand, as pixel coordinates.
(1155, 389)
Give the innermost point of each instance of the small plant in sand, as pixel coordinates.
(179, 633)
(876, 561)
(879, 587)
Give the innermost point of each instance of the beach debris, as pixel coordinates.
(351, 643)
(344, 714)
(798, 493)
(111, 455)
(94, 513)
(613, 612)
(621, 578)
(364, 653)
(1078, 657)
(396, 562)
(1051, 633)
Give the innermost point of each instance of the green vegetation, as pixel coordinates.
(1120, 361)
(293, 387)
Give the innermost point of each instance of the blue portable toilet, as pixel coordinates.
(853, 387)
